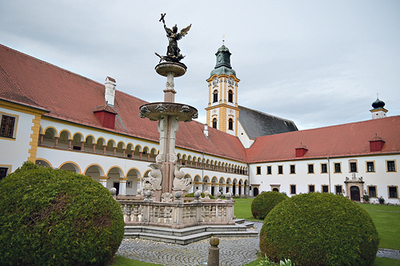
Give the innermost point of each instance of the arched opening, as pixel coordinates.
(215, 96)
(42, 163)
(94, 171)
(132, 184)
(49, 137)
(214, 181)
(63, 140)
(230, 124)
(255, 192)
(100, 146)
(275, 189)
(197, 183)
(71, 167)
(120, 151)
(89, 144)
(214, 123)
(77, 142)
(230, 96)
(114, 174)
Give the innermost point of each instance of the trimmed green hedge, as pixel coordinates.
(319, 229)
(265, 202)
(55, 217)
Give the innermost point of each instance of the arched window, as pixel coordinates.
(215, 98)
(214, 124)
(230, 124)
(230, 96)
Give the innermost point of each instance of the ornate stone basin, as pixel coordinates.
(154, 111)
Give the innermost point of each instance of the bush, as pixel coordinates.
(55, 217)
(319, 229)
(265, 202)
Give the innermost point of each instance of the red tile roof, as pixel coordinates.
(342, 140)
(71, 97)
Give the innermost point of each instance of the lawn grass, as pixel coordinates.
(243, 209)
(387, 222)
(122, 261)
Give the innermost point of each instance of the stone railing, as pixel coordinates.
(178, 214)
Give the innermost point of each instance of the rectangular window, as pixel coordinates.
(269, 170)
(353, 167)
(338, 190)
(7, 126)
(258, 170)
(324, 168)
(372, 191)
(3, 172)
(292, 189)
(391, 167)
(280, 169)
(393, 192)
(337, 167)
(311, 188)
(311, 168)
(292, 169)
(370, 167)
(324, 188)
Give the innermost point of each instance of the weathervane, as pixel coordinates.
(173, 51)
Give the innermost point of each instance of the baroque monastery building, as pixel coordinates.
(59, 119)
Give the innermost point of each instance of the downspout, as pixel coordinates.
(329, 173)
(202, 173)
(248, 177)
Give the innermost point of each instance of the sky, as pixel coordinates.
(317, 63)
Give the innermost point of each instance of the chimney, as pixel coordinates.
(206, 130)
(109, 95)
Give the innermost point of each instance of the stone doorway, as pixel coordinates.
(355, 193)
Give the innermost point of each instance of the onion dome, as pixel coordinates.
(378, 104)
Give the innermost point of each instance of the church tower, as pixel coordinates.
(223, 110)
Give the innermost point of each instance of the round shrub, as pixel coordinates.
(319, 229)
(265, 202)
(55, 217)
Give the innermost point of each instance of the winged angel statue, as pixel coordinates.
(173, 51)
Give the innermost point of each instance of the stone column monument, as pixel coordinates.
(166, 176)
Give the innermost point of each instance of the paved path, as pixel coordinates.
(233, 251)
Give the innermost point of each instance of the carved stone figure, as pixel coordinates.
(173, 51)
(180, 182)
(153, 181)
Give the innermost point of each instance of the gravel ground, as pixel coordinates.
(233, 251)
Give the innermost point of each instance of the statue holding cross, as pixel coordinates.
(173, 51)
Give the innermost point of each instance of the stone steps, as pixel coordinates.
(192, 234)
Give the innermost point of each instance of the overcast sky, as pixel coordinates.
(318, 63)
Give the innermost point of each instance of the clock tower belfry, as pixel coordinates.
(223, 110)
